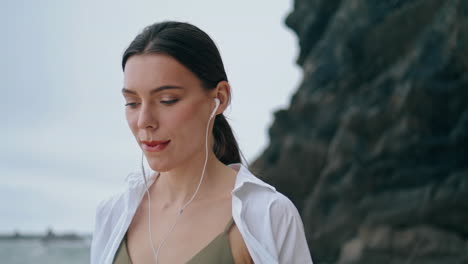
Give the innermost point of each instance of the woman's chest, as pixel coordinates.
(177, 239)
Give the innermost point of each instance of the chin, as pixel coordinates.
(159, 166)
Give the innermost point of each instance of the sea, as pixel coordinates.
(35, 251)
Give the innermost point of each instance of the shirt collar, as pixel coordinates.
(244, 176)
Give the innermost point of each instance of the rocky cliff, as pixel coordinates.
(373, 148)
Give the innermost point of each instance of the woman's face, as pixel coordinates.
(165, 101)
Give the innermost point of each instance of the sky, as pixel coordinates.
(65, 143)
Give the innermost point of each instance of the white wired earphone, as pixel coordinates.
(156, 252)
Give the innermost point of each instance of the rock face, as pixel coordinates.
(373, 148)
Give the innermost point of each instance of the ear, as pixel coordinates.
(223, 93)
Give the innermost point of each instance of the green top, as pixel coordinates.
(217, 251)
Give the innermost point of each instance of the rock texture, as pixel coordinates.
(373, 148)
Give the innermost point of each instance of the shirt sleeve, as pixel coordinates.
(94, 237)
(291, 243)
(101, 230)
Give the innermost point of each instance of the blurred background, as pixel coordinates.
(362, 119)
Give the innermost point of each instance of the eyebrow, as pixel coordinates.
(153, 91)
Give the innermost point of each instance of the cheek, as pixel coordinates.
(188, 118)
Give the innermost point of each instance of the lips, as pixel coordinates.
(155, 146)
(154, 143)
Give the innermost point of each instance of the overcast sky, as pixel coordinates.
(65, 143)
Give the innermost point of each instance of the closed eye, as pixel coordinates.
(169, 101)
(132, 105)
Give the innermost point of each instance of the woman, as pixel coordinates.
(201, 204)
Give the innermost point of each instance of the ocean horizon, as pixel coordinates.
(27, 251)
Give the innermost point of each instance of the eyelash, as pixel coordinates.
(132, 105)
(169, 102)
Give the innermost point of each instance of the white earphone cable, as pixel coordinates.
(156, 253)
(149, 207)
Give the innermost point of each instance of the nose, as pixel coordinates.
(146, 117)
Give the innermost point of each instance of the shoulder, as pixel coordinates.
(106, 205)
(104, 223)
(269, 222)
(282, 206)
(261, 201)
(105, 209)
(271, 204)
(134, 181)
(259, 195)
(112, 212)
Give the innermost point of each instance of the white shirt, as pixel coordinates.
(268, 221)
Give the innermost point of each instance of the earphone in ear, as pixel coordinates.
(216, 107)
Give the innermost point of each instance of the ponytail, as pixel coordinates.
(225, 147)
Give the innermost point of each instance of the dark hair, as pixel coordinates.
(195, 50)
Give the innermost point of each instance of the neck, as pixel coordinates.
(177, 186)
